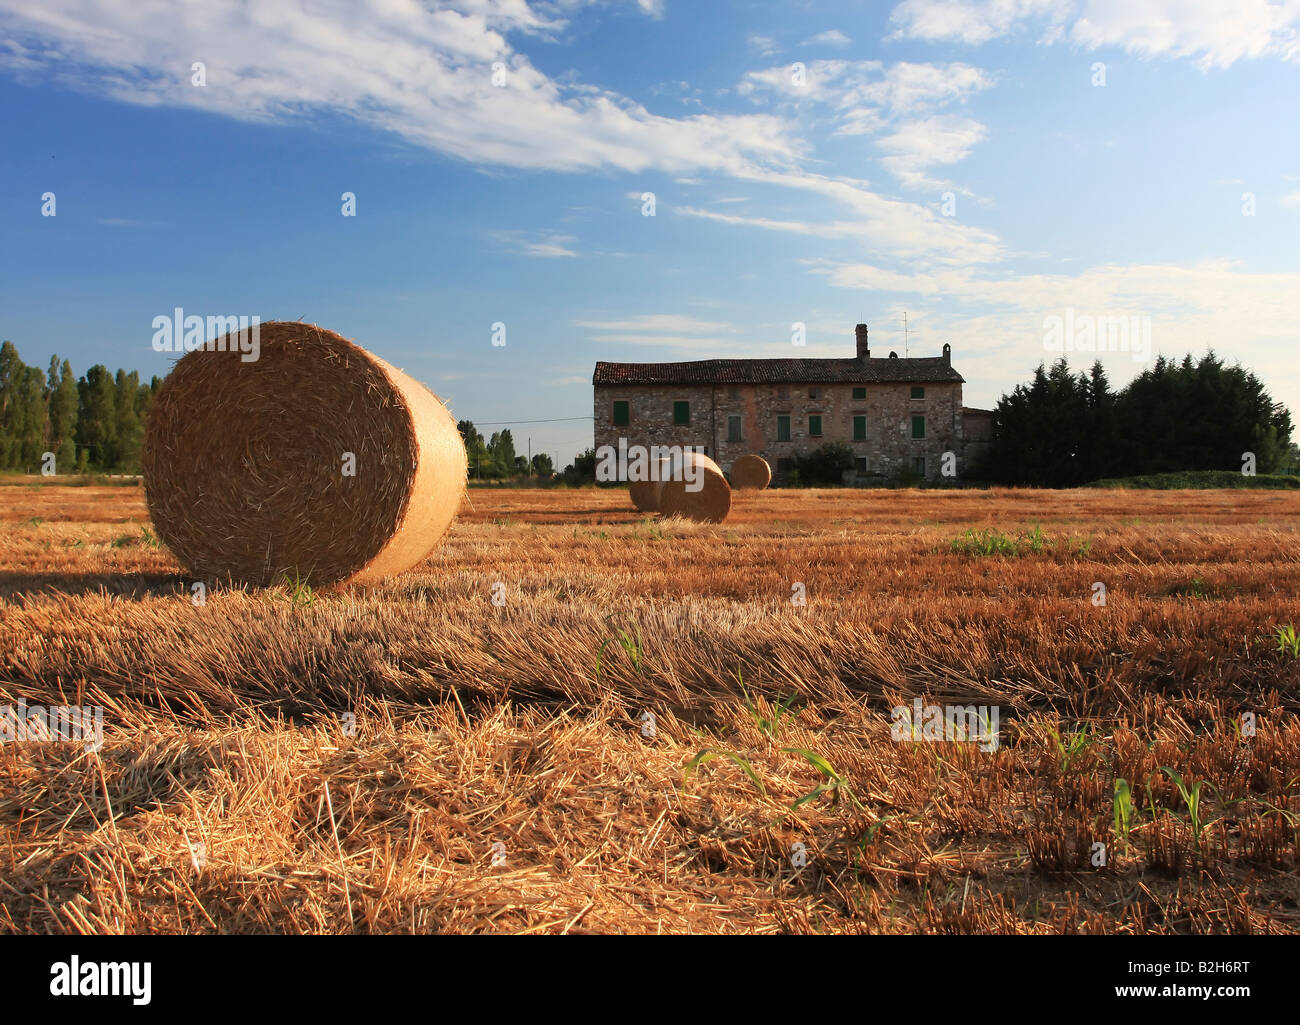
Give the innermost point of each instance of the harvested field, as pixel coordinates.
(230, 724)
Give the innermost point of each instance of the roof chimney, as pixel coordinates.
(861, 332)
(947, 353)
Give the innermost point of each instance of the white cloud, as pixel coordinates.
(545, 245)
(969, 21)
(1216, 33)
(555, 246)
(863, 97)
(424, 74)
(823, 229)
(657, 322)
(1212, 304)
(1291, 201)
(688, 338)
(831, 37)
(894, 228)
(919, 145)
(866, 99)
(764, 46)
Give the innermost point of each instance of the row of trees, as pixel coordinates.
(95, 422)
(1063, 429)
(495, 459)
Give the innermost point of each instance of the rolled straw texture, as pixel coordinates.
(708, 505)
(244, 462)
(751, 472)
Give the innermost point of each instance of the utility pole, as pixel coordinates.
(530, 458)
(905, 333)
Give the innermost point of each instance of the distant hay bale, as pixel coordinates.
(709, 505)
(751, 472)
(316, 461)
(645, 493)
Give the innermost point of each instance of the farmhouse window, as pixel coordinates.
(859, 393)
(918, 392)
(814, 393)
(622, 417)
(918, 427)
(859, 428)
(733, 429)
(815, 426)
(861, 462)
(918, 464)
(783, 428)
(681, 413)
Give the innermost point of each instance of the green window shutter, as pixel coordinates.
(859, 393)
(681, 413)
(621, 415)
(918, 427)
(782, 428)
(918, 392)
(815, 426)
(859, 428)
(734, 429)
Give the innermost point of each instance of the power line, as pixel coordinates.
(553, 420)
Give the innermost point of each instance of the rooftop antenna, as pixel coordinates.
(905, 334)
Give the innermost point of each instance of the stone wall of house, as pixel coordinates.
(651, 415)
(977, 426)
(889, 408)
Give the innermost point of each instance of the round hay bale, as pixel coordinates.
(710, 504)
(751, 472)
(645, 493)
(316, 461)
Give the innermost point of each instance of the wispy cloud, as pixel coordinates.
(917, 146)
(688, 336)
(1215, 33)
(423, 73)
(831, 37)
(658, 322)
(545, 245)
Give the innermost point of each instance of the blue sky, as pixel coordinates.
(821, 163)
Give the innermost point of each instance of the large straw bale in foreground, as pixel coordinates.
(245, 463)
(751, 472)
(709, 505)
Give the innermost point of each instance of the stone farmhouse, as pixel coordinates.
(896, 414)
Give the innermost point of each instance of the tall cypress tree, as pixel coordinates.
(63, 418)
(11, 368)
(97, 417)
(31, 419)
(128, 430)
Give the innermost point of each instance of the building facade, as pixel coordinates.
(896, 414)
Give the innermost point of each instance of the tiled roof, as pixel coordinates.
(780, 371)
